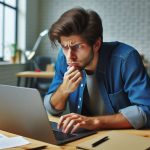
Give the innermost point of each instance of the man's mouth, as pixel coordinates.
(75, 64)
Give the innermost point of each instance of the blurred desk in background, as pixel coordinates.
(30, 75)
(147, 67)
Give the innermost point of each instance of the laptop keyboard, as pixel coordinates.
(61, 136)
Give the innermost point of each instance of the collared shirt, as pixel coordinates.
(122, 81)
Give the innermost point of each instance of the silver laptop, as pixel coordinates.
(22, 112)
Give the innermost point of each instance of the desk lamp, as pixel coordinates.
(30, 54)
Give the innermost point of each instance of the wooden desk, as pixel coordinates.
(31, 75)
(33, 144)
(71, 145)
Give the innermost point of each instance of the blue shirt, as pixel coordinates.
(122, 80)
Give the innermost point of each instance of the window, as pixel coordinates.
(8, 27)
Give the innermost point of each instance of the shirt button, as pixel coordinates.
(80, 99)
(81, 85)
(78, 107)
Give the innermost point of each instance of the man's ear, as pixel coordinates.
(97, 45)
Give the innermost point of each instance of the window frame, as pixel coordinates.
(5, 5)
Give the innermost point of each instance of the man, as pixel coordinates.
(105, 84)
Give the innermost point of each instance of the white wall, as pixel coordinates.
(123, 20)
(32, 22)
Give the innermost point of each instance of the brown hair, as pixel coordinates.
(77, 21)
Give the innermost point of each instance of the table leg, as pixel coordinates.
(26, 82)
(31, 82)
(18, 81)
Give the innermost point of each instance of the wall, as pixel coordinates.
(127, 21)
(8, 73)
(32, 22)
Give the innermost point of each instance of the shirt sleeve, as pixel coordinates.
(50, 109)
(60, 69)
(135, 115)
(137, 86)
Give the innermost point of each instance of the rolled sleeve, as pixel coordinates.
(135, 115)
(49, 108)
(137, 86)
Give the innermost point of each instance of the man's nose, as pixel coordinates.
(71, 54)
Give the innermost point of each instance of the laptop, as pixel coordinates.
(22, 112)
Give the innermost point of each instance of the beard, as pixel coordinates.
(87, 61)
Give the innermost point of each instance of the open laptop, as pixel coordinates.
(22, 112)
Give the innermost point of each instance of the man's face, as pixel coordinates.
(77, 52)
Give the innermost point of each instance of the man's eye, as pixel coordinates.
(65, 47)
(78, 46)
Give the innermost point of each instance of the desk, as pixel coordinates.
(31, 75)
(71, 145)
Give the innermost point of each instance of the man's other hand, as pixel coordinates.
(72, 79)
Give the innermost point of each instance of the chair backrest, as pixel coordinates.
(42, 62)
(50, 67)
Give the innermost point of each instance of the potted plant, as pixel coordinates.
(15, 54)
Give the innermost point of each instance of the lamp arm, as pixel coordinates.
(37, 43)
(30, 55)
(42, 34)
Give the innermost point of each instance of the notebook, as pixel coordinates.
(22, 112)
(117, 141)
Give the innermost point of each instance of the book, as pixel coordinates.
(117, 141)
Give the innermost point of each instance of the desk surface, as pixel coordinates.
(33, 74)
(71, 145)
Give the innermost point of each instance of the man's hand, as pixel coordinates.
(72, 122)
(72, 79)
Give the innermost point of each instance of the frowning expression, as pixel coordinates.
(76, 50)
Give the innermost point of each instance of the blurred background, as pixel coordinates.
(22, 21)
